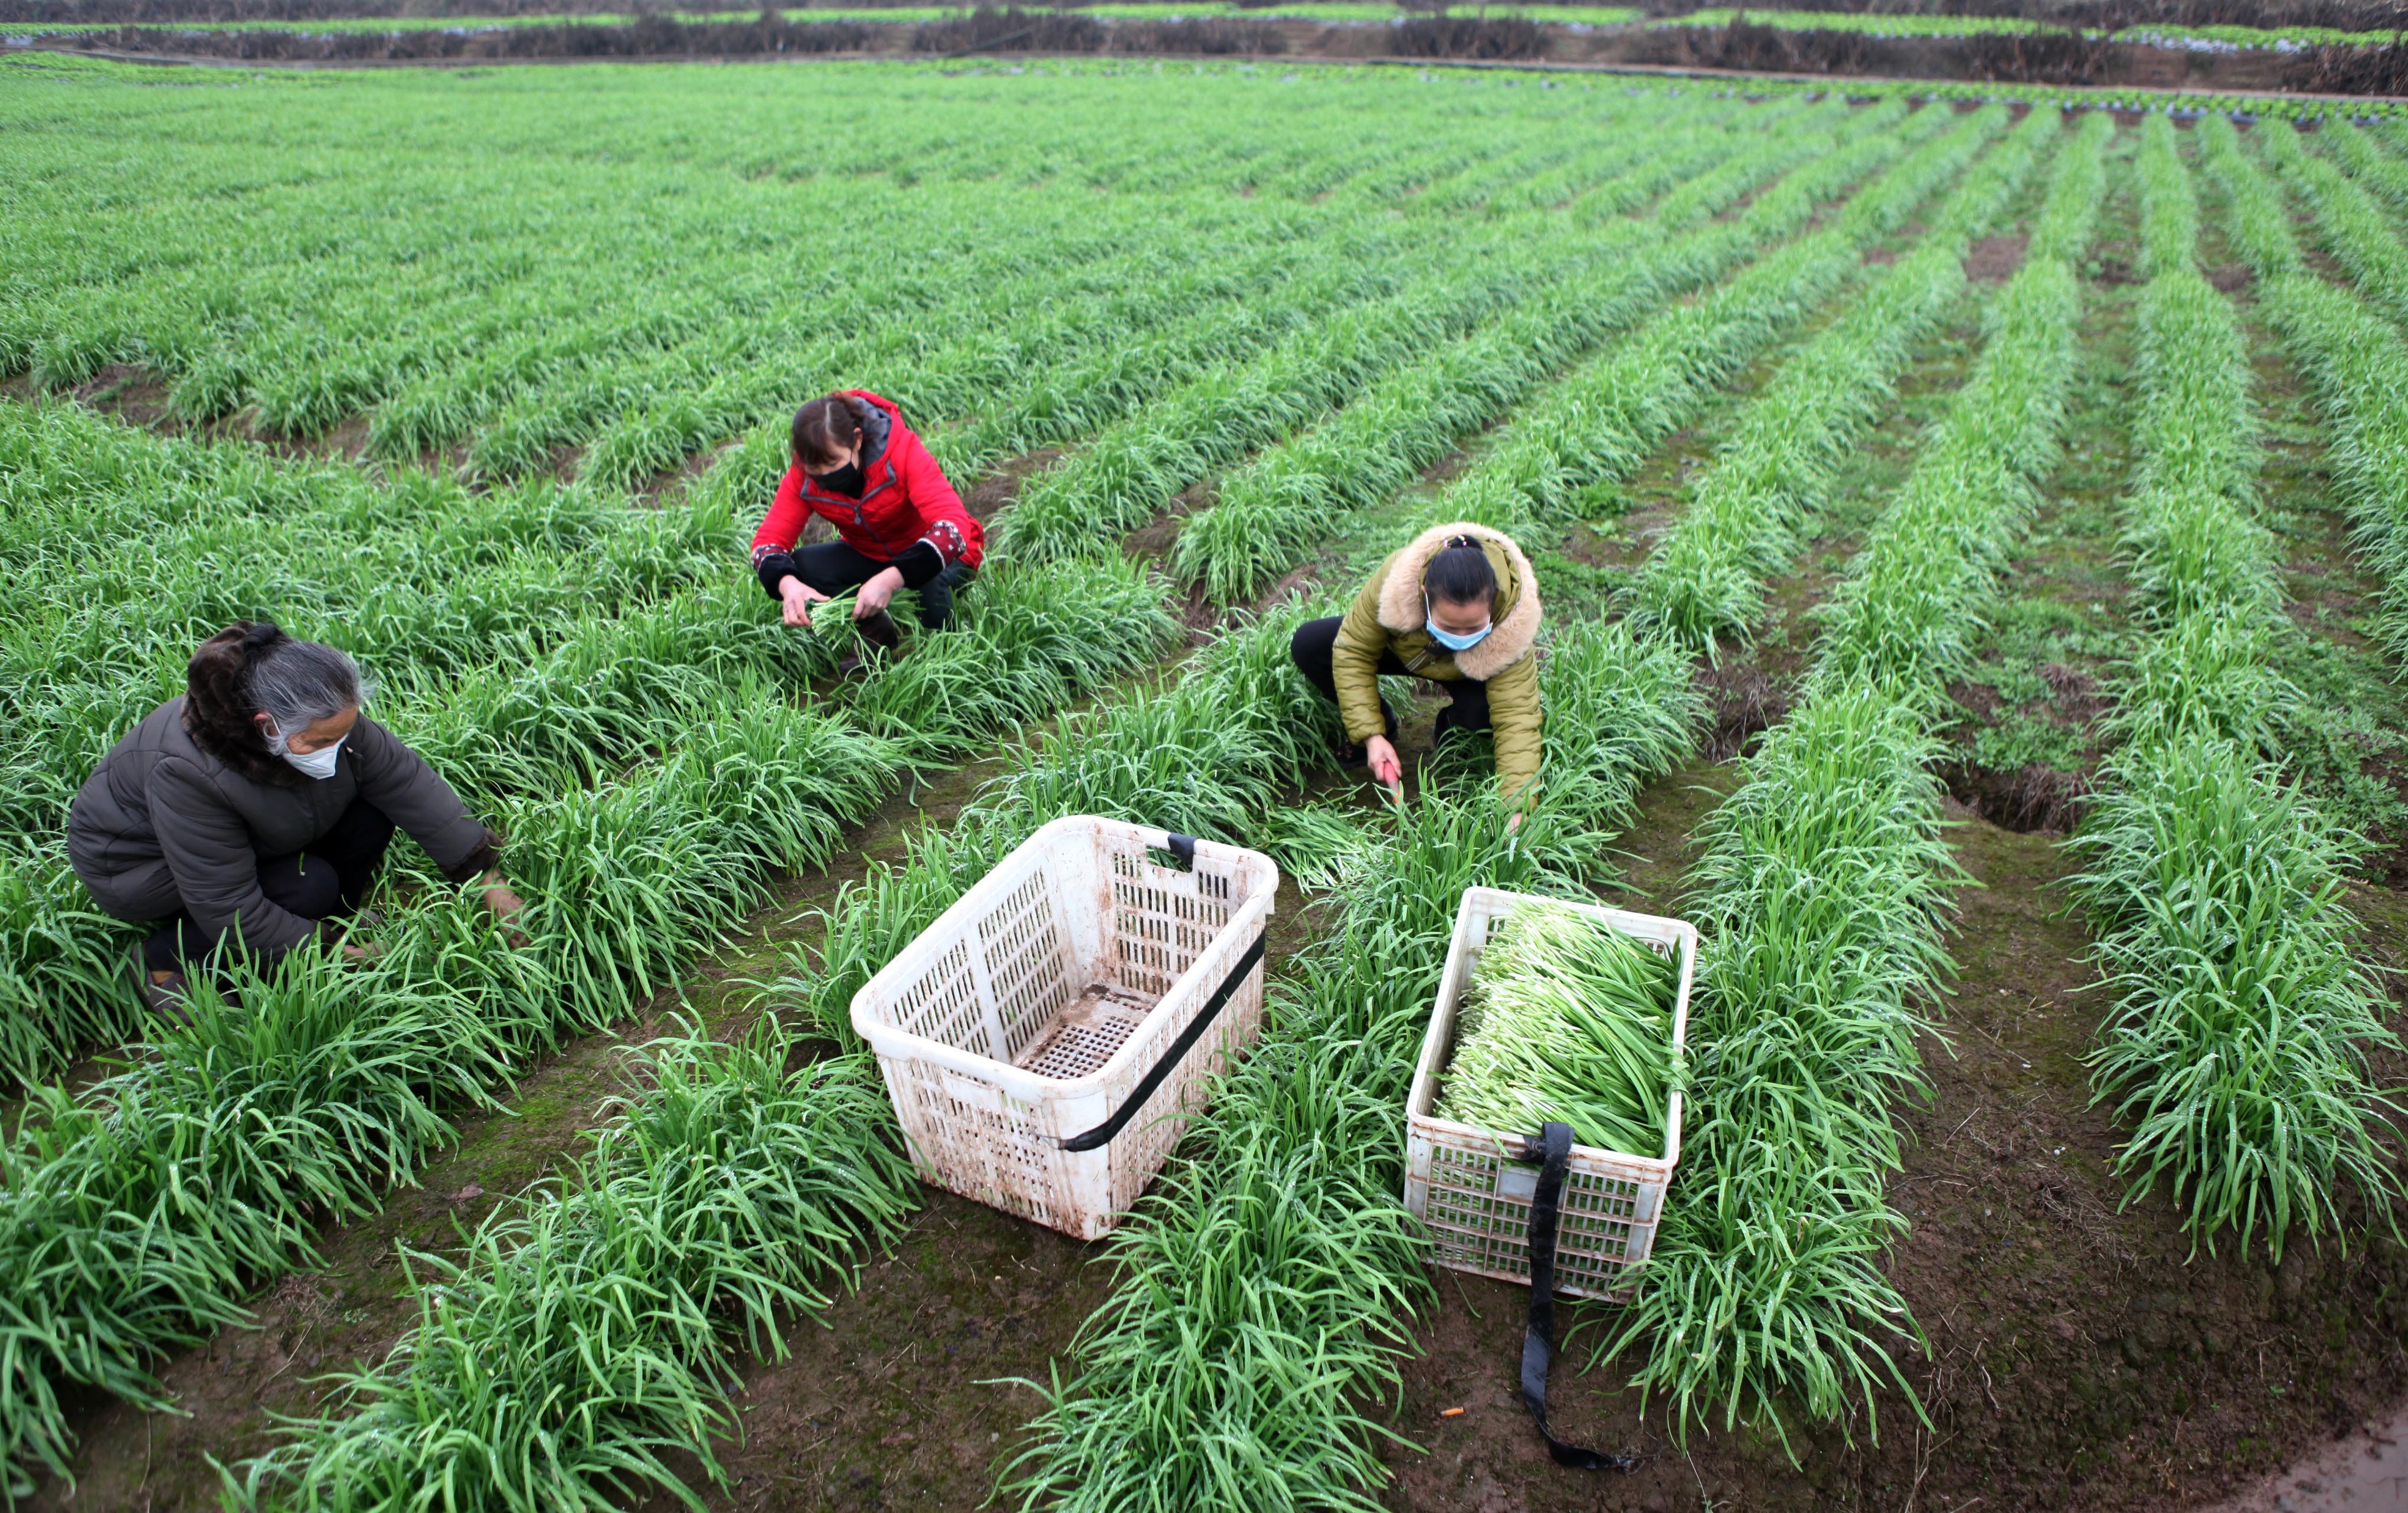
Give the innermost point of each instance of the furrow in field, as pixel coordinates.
(1602, 425)
(2237, 1048)
(2356, 152)
(2350, 356)
(2347, 219)
(1270, 513)
(1823, 887)
(1125, 475)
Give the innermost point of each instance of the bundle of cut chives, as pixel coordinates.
(1568, 1019)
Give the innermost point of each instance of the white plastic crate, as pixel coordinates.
(1463, 1182)
(1037, 1007)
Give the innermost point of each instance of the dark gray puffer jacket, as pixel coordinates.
(162, 826)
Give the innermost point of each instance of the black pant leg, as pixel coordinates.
(1312, 649)
(355, 847)
(831, 568)
(937, 594)
(304, 883)
(172, 943)
(1467, 709)
(328, 879)
(308, 885)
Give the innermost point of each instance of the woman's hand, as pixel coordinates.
(799, 596)
(1380, 754)
(504, 904)
(366, 952)
(875, 593)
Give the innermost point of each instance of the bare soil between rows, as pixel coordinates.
(2080, 1356)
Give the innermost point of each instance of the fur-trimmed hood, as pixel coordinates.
(1516, 615)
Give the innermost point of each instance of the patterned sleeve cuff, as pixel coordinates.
(946, 538)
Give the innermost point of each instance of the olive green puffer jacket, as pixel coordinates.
(1389, 615)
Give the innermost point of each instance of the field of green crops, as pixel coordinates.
(1877, 458)
(2212, 39)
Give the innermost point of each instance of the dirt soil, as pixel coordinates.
(2080, 1356)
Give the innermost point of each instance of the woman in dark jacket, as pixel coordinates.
(899, 524)
(258, 806)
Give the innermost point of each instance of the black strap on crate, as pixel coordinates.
(1184, 852)
(1102, 1133)
(1551, 1149)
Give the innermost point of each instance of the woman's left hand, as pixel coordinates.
(875, 593)
(505, 906)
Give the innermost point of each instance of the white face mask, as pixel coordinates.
(318, 763)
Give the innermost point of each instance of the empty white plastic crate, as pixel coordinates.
(1464, 1182)
(1037, 1008)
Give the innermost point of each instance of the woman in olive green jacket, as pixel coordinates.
(1458, 605)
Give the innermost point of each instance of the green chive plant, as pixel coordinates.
(1566, 1019)
(2236, 1047)
(1824, 894)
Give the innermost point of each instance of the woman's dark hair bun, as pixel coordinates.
(1460, 574)
(216, 711)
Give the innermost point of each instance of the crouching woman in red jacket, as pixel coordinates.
(898, 523)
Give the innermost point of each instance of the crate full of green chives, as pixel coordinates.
(1551, 1010)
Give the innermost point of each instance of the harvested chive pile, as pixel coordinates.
(1567, 1018)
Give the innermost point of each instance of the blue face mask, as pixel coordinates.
(1449, 639)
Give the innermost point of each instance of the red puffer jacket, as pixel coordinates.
(905, 504)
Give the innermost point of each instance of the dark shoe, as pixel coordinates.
(164, 999)
(849, 667)
(879, 630)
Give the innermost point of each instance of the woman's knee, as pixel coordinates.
(307, 885)
(1313, 645)
(937, 595)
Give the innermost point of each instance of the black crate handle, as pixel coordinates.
(1551, 1149)
(1102, 1133)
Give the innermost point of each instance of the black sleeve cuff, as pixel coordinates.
(775, 569)
(919, 564)
(485, 859)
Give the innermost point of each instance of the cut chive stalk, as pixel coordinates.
(1570, 1021)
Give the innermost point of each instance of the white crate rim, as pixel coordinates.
(1019, 1082)
(1424, 1126)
